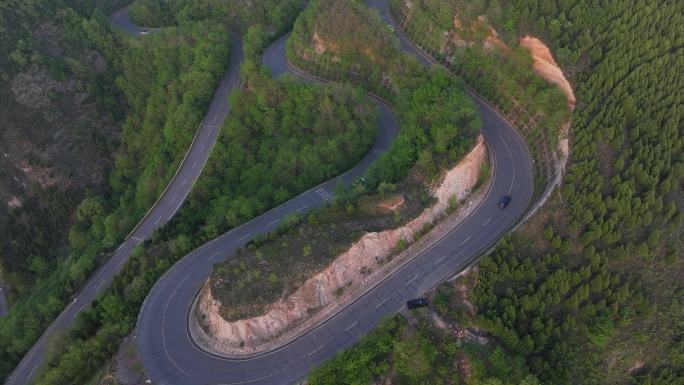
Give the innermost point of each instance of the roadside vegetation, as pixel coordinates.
(438, 126)
(589, 290)
(416, 352)
(458, 34)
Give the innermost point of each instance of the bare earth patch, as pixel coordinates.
(546, 67)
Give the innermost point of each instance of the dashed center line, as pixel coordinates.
(243, 237)
(302, 208)
(317, 349)
(487, 221)
(99, 286)
(382, 303)
(273, 222)
(464, 242)
(440, 260)
(351, 326)
(415, 276)
(156, 221)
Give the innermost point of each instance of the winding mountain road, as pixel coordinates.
(169, 354)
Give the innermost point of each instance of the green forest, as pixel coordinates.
(240, 15)
(496, 67)
(598, 298)
(164, 83)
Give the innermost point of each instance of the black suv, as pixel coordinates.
(504, 201)
(416, 303)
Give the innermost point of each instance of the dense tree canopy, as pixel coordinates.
(597, 299)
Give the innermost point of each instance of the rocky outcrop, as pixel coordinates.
(345, 275)
(546, 67)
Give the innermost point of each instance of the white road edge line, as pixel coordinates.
(351, 326)
(466, 240)
(317, 349)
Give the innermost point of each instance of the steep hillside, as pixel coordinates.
(61, 124)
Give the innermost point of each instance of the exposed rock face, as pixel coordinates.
(546, 67)
(345, 274)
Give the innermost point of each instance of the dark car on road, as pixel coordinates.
(504, 201)
(416, 303)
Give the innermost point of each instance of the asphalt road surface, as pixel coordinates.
(163, 210)
(171, 357)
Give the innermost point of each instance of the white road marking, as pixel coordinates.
(464, 242)
(510, 188)
(99, 286)
(136, 238)
(202, 147)
(121, 263)
(194, 164)
(157, 220)
(487, 221)
(33, 370)
(415, 276)
(440, 260)
(273, 222)
(351, 326)
(302, 208)
(326, 195)
(382, 303)
(185, 180)
(317, 349)
(243, 237)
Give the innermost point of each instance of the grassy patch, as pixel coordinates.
(276, 264)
